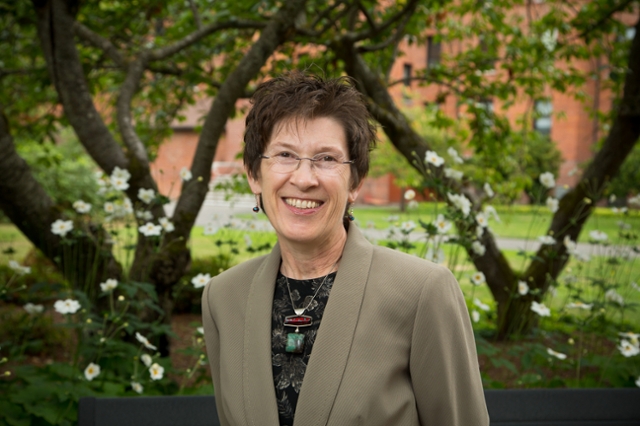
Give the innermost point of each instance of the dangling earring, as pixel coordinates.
(350, 215)
(256, 209)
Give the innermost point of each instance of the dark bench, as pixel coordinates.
(534, 407)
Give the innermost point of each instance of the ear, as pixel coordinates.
(353, 193)
(254, 183)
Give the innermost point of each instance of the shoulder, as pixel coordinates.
(399, 262)
(235, 278)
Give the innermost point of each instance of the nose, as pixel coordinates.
(304, 176)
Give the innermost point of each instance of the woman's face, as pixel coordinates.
(306, 205)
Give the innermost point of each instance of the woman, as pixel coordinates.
(328, 329)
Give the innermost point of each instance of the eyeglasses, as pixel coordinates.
(287, 162)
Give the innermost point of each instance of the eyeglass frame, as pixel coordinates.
(299, 159)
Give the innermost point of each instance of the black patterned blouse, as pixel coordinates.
(289, 368)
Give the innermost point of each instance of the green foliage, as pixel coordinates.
(64, 169)
(539, 155)
(627, 181)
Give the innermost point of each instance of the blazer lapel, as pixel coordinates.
(335, 335)
(259, 394)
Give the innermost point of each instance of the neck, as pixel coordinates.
(302, 262)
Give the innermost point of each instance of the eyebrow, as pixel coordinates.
(294, 147)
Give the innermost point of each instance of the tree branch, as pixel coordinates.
(604, 18)
(129, 87)
(99, 42)
(408, 8)
(194, 37)
(196, 15)
(393, 39)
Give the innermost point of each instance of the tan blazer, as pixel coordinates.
(395, 345)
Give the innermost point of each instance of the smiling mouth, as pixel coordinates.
(302, 204)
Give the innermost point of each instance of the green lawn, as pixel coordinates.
(526, 222)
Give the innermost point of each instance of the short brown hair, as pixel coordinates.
(299, 95)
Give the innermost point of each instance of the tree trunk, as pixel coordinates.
(84, 259)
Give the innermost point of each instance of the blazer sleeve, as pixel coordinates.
(212, 341)
(443, 363)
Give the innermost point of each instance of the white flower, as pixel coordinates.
(579, 305)
(549, 39)
(523, 288)
(61, 227)
(146, 359)
(210, 229)
(481, 219)
(68, 306)
(150, 230)
(442, 225)
(490, 210)
(475, 316)
(487, 190)
(166, 224)
(635, 200)
(461, 202)
(571, 245)
(547, 240)
(635, 286)
(185, 174)
(18, 268)
(137, 387)
(409, 194)
(613, 296)
(200, 280)
(634, 338)
(146, 195)
(119, 183)
(433, 158)
(144, 215)
(478, 248)
(33, 309)
(412, 205)
(552, 204)
(127, 206)
(393, 218)
(92, 371)
(453, 174)
(540, 309)
(547, 180)
(109, 285)
(558, 355)
(479, 232)
(109, 207)
(144, 341)
(638, 382)
(616, 210)
(627, 349)
(435, 256)
(81, 207)
(156, 371)
(478, 278)
(481, 305)
(200, 330)
(599, 236)
(454, 155)
(121, 173)
(408, 226)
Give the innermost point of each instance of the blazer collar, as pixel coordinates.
(330, 350)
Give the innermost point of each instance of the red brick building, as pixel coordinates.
(565, 119)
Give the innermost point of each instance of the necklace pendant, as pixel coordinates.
(295, 343)
(298, 321)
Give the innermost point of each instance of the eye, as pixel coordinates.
(285, 154)
(326, 158)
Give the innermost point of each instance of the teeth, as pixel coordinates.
(301, 204)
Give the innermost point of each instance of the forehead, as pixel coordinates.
(317, 134)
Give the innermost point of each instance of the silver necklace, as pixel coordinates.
(295, 340)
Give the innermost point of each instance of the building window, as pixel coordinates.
(542, 117)
(406, 76)
(489, 60)
(433, 52)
